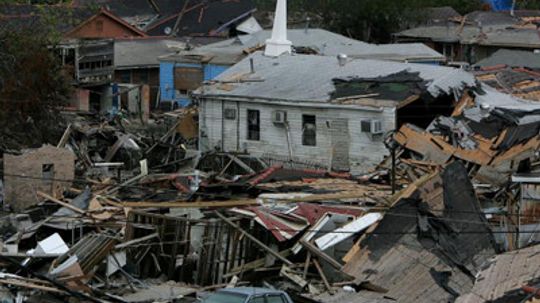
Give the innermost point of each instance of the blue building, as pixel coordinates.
(500, 5)
(183, 72)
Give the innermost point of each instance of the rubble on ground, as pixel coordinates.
(125, 215)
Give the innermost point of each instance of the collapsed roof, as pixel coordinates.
(311, 78)
(429, 247)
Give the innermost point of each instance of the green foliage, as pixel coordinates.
(32, 81)
(370, 20)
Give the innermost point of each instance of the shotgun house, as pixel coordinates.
(322, 110)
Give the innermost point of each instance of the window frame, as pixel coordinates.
(253, 128)
(308, 141)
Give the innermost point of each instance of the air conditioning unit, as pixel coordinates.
(279, 117)
(230, 113)
(373, 127)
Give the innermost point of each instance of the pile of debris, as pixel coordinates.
(118, 214)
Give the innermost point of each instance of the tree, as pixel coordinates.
(32, 86)
(371, 20)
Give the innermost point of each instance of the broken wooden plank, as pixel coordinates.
(64, 204)
(30, 285)
(323, 276)
(208, 204)
(136, 241)
(241, 164)
(294, 277)
(65, 137)
(319, 253)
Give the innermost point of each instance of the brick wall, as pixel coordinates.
(24, 175)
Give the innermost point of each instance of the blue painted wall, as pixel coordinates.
(166, 79)
(212, 71)
(500, 5)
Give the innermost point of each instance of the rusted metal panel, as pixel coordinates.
(187, 78)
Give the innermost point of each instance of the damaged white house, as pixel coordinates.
(323, 110)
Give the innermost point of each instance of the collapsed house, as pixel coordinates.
(317, 109)
(496, 135)
(429, 246)
(48, 170)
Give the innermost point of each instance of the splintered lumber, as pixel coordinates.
(291, 275)
(64, 204)
(208, 204)
(65, 137)
(30, 285)
(253, 239)
(323, 276)
(317, 252)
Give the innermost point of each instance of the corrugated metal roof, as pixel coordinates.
(309, 77)
(508, 273)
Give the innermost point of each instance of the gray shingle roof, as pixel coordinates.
(309, 77)
(142, 52)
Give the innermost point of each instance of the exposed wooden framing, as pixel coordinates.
(252, 238)
(136, 241)
(241, 164)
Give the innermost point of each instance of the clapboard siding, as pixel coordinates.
(231, 135)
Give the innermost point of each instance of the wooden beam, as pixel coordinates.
(65, 137)
(136, 241)
(64, 204)
(30, 285)
(323, 276)
(241, 164)
(252, 238)
(208, 204)
(317, 252)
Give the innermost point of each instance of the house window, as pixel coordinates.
(254, 125)
(230, 114)
(99, 26)
(309, 130)
(188, 78)
(47, 171)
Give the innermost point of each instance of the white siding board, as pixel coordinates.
(364, 151)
